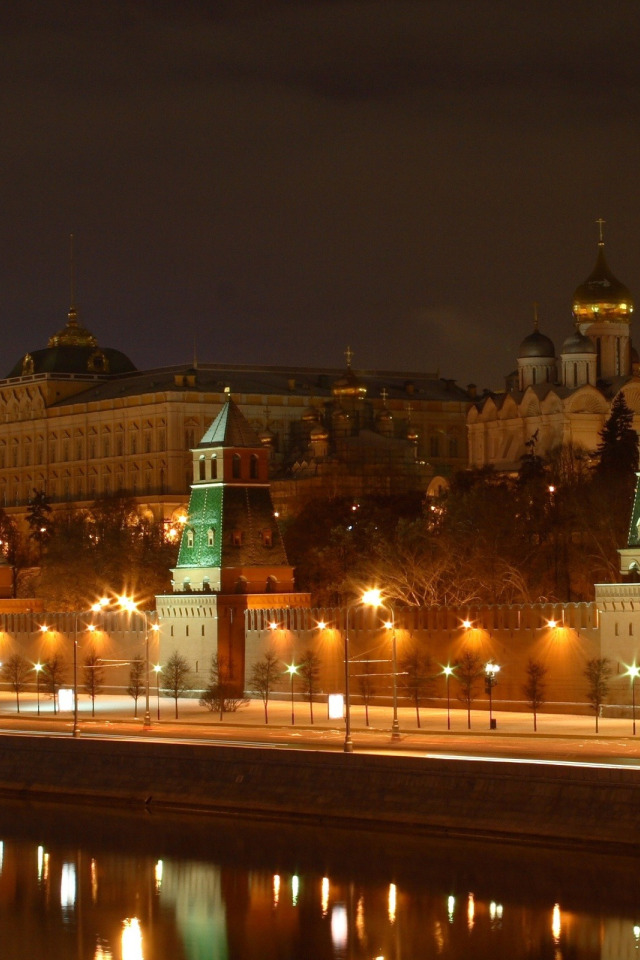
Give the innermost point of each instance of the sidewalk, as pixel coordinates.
(116, 709)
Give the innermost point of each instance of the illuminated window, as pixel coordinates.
(211, 536)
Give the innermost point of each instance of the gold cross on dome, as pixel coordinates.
(601, 224)
(348, 354)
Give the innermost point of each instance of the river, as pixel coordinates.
(84, 883)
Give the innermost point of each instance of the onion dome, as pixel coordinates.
(348, 385)
(266, 437)
(73, 334)
(384, 416)
(602, 295)
(311, 414)
(318, 433)
(578, 343)
(339, 414)
(412, 433)
(536, 345)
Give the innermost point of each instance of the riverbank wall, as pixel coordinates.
(533, 802)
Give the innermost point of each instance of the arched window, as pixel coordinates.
(190, 538)
(235, 466)
(253, 467)
(214, 467)
(271, 585)
(211, 536)
(201, 469)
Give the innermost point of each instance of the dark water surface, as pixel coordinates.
(92, 884)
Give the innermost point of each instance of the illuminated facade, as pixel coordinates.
(558, 402)
(78, 422)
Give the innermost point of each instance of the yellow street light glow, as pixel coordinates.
(633, 671)
(157, 668)
(372, 597)
(91, 627)
(321, 625)
(387, 624)
(155, 627)
(291, 668)
(43, 628)
(448, 671)
(273, 625)
(552, 624)
(466, 624)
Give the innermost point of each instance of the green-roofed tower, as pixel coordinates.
(630, 555)
(231, 556)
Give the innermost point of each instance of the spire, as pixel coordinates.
(601, 224)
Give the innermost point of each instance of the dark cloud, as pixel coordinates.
(280, 178)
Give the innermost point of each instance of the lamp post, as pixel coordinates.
(373, 598)
(130, 605)
(76, 729)
(448, 670)
(491, 671)
(633, 672)
(38, 667)
(292, 671)
(348, 742)
(158, 670)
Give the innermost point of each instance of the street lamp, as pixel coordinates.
(38, 667)
(491, 671)
(447, 672)
(130, 605)
(633, 672)
(373, 598)
(292, 671)
(157, 669)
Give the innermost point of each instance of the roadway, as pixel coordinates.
(560, 738)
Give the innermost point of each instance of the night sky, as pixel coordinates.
(280, 179)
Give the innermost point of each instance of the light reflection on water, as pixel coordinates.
(83, 886)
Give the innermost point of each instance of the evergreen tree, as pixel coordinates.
(618, 448)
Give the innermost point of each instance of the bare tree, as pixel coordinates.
(598, 674)
(136, 680)
(93, 677)
(534, 688)
(418, 679)
(220, 693)
(366, 686)
(468, 671)
(15, 672)
(176, 673)
(309, 671)
(265, 675)
(54, 674)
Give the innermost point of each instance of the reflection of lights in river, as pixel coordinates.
(158, 874)
(495, 911)
(41, 862)
(132, 940)
(68, 885)
(295, 890)
(393, 900)
(451, 905)
(325, 895)
(94, 881)
(360, 919)
(339, 926)
(102, 951)
(276, 890)
(471, 911)
(556, 924)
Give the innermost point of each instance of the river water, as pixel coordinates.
(90, 884)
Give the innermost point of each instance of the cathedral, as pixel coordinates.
(562, 400)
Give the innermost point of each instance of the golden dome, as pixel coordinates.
(602, 296)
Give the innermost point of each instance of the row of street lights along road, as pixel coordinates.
(124, 603)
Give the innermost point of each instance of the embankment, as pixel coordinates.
(526, 801)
